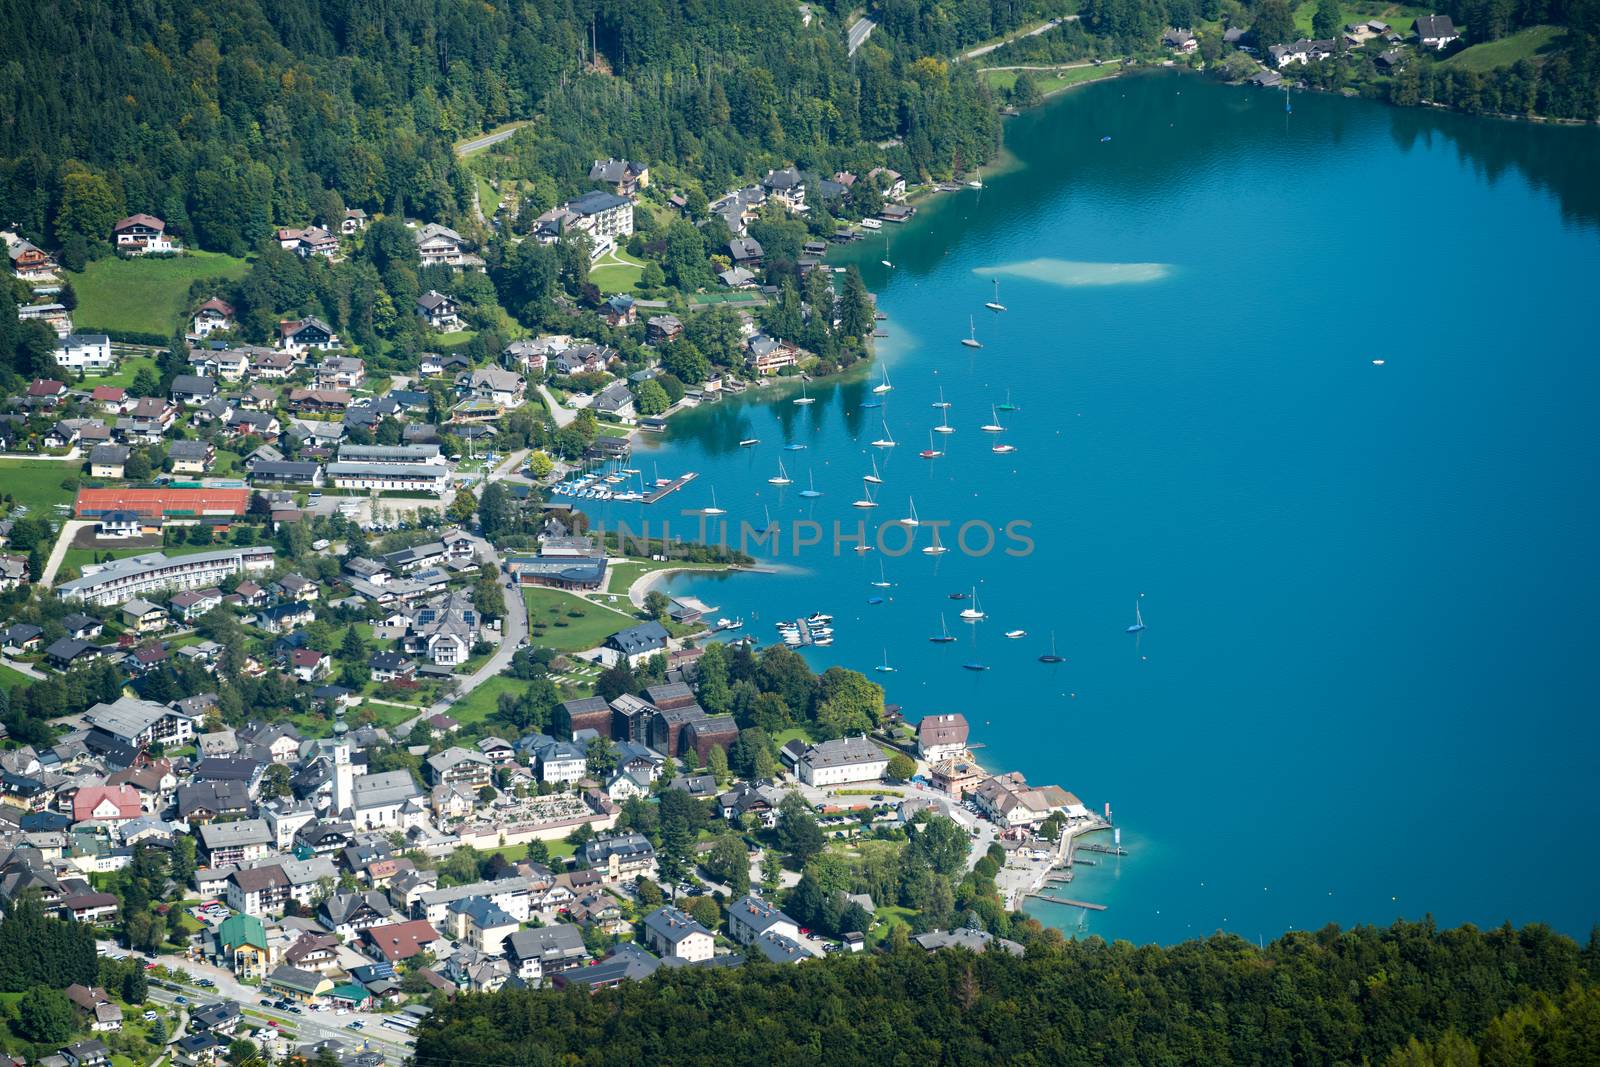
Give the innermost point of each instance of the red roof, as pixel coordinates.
(216, 304)
(153, 503)
(108, 392)
(124, 798)
(45, 387)
(139, 220)
(401, 941)
(305, 657)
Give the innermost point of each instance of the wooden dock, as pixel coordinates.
(1108, 850)
(670, 487)
(1086, 905)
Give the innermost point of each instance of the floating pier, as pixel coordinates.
(670, 487)
(1085, 904)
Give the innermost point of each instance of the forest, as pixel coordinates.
(1411, 995)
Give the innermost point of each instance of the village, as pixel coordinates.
(322, 705)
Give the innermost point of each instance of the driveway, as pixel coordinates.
(513, 628)
(562, 415)
(58, 552)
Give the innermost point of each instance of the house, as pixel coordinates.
(445, 631)
(67, 652)
(845, 759)
(258, 891)
(14, 571)
(745, 252)
(307, 664)
(482, 924)
(104, 803)
(545, 950)
(28, 261)
(503, 388)
(1435, 31)
(349, 913)
(438, 245)
(439, 312)
(604, 217)
(560, 761)
(391, 666)
(737, 278)
(192, 389)
(107, 461)
(394, 942)
(55, 316)
(1266, 79)
(298, 984)
(341, 372)
(214, 316)
(755, 922)
(303, 335)
(624, 177)
(615, 399)
(1010, 801)
(891, 182)
(354, 221)
(140, 234)
(191, 457)
(1392, 59)
(143, 617)
(787, 187)
(975, 941)
(619, 857)
(86, 352)
(190, 604)
(940, 737)
(234, 842)
(767, 355)
(1301, 51)
(619, 310)
(671, 932)
(316, 241)
(46, 392)
(1180, 41)
(91, 1053)
(637, 643)
(22, 636)
(660, 329)
(460, 767)
(242, 943)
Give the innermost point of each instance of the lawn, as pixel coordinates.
(569, 623)
(559, 850)
(478, 704)
(622, 575)
(145, 295)
(886, 918)
(1398, 16)
(793, 733)
(613, 275)
(37, 483)
(126, 372)
(1050, 81)
(1525, 44)
(10, 679)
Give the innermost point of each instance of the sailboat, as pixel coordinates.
(1052, 657)
(803, 398)
(1138, 620)
(1003, 449)
(935, 549)
(886, 261)
(884, 668)
(974, 613)
(873, 478)
(749, 442)
(883, 581)
(883, 386)
(1008, 405)
(930, 452)
(995, 305)
(974, 666)
(811, 490)
(977, 179)
(944, 422)
(941, 402)
(887, 440)
(770, 524)
(911, 520)
(1014, 634)
(971, 340)
(794, 446)
(866, 501)
(943, 636)
(713, 509)
(993, 427)
(781, 478)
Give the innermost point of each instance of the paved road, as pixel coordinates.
(513, 628)
(560, 413)
(478, 144)
(71, 456)
(857, 35)
(1019, 35)
(69, 530)
(21, 668)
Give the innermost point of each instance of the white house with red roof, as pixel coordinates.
(106, 803)
(214, 315)
(141, 234)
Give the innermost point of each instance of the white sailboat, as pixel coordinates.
(1003, 449)
(803, 399)
(883, 581)
(1138, 619)
(994, 425)
(971, 340)
(713, 509)
(883, 386)
(884, 668)
(811, 490)
(995, 305)
(935, 549)
(973, 613)
(781, 478)
(930, 452)
(887, 440)
(873, 479)
(911, 520)
(941, 402)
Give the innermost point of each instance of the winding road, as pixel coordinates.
(478, 144)
(858, 33)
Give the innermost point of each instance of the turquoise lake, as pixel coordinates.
(1363, 692)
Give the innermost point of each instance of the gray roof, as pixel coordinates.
(844, 752)
(646, 637)
(561, 941)
(672, 925)
(971, 940)
(378, 790)
(216, 835)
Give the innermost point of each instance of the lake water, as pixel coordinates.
(1364, 691)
